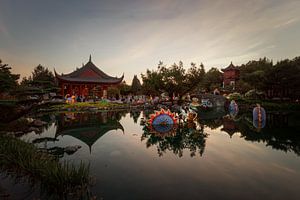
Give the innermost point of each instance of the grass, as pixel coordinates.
(19, 158)
(83, 105)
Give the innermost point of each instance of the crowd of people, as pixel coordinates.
(129, 99)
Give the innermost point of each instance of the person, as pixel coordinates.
(188, 97)
(216, 92)
(69, 99)
(73, 98)
(66, 98)
(78, 99)
(150, 99)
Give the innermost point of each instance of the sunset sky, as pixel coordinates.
(132, 35)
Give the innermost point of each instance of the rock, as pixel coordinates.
(38, 122)
(33, 129)
(10, 133)
(71, 149)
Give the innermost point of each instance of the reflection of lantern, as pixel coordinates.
(163, 123)
(259, 117)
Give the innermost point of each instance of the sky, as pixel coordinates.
(130, 36)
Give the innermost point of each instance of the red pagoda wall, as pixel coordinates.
(230, 75)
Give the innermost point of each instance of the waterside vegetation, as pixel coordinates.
(19, 158)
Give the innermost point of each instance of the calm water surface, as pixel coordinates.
(215, 158)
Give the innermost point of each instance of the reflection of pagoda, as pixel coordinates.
(229, 126)
(87, 127)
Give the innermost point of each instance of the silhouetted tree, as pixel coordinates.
(8, 81)
(136, 86)
(124, 88)
(212, 79)
(41, 78)
(174, 79)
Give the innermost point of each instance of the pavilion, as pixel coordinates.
(231, 75)
(87, 81)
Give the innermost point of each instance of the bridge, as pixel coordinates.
(217, 100)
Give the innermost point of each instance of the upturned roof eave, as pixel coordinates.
(117, 81)
(108, 80)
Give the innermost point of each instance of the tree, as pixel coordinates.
(152, 81)
(195, 75)
(42, 74)
(253, 73)
(280, 80)
(113, 92)
(174, 79)
(283, 79)
(124, 88)
(8, 81)
(41, 78)
(212, 79)
(136, 86)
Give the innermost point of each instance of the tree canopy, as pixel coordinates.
(282, 79)
(41, 81)
(40, 76)
(174, 79)
(8, 80)
(212, 79)
(124, 88)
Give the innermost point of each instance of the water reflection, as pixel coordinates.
(186, 136)
(279, 133)
(135, 114)
(194, 154)
(88, 127)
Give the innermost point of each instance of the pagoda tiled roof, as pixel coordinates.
(89, 73)
(230, 67)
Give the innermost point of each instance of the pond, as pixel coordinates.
(217, 158)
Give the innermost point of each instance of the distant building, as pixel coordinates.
(231, 75)
(86, 81)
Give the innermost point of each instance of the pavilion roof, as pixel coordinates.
(89, 73)
(230, 67)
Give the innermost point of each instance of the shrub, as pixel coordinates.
(254, 94)
(235, 96)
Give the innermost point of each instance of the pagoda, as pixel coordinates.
(87, 81)
(231, 75)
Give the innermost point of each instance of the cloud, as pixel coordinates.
(285, 23)
(131, 36)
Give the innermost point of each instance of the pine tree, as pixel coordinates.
(136, 86)
(8, 81)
